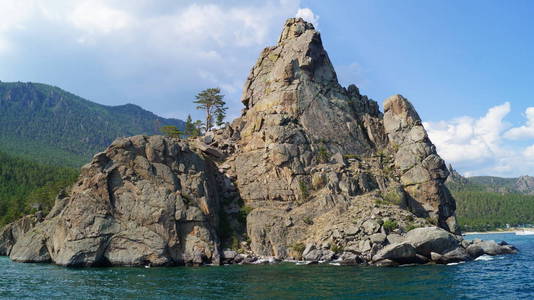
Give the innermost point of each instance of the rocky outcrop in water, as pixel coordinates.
(310, 171)
(11, 233)
(145, 200)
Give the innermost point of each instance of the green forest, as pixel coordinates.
(480, 210)
(27, 185)
(47, 124)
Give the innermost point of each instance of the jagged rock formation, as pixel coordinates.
(525, 184)
(520, 185)
(422, 171)
(311, 170)
(455, 177)
(297, 131)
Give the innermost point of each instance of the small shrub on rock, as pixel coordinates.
(308, 221)
(304, 190)
(299, 248)
(411, 226)
(323, 155)
(243, 213)
(390, 225)
(336, 248)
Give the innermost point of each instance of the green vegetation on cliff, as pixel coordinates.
(26, 185)
(49, 125)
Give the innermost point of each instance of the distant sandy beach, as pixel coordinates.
(510, 230)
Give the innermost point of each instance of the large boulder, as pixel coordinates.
(31, 248)
(457, 255)
(400, 253)
(490, 247)
(145, 200)
(11, 233)
(432, 239)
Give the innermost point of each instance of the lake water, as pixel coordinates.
(502, 277)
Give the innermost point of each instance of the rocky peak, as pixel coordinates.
(525, 184)
(455, 176)
(295, 27)
(309, 162)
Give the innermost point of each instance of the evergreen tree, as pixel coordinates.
(198, 127)
(211, 101)
(189, 126)
(220, 114)
(26, 186)
(171, 131)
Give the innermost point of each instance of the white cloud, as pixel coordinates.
(308, 15)
(477, 146)
(469, 139)
(523, 132)
(529, 152)
(148, 49)
(96, 17)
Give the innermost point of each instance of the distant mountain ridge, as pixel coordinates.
(47, 124)
(489, 202)
(521, 185)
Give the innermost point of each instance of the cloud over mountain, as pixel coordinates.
(482, 146)
(144, 48)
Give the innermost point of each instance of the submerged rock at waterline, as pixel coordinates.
(311, 170)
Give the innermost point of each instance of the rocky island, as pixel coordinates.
(310, 171)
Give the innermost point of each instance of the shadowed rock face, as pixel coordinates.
(318, 171)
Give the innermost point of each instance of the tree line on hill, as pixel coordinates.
(488, 203)
(44, 123)
(27, 186)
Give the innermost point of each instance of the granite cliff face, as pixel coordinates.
(311, 170)
(145, 200)
(308, 148)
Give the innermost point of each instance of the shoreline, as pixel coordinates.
(509, 230)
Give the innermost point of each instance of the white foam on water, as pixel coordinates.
(335, 264)
(456, 263)
(484, 257)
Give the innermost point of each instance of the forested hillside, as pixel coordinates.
(46, 124)
(486, 202)
(26, 185)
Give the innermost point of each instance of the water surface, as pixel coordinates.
(502, 277)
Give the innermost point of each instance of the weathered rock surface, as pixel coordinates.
(401, 253)
(145, 200)
(11, 233)
(432, 239)
(422, 171)
(310, 170)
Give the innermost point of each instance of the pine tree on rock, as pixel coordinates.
(171, 131)
(211, 101)
(191, 128)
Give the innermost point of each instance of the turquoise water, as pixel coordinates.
(504, 277)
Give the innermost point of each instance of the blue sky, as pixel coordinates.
(467, 66)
